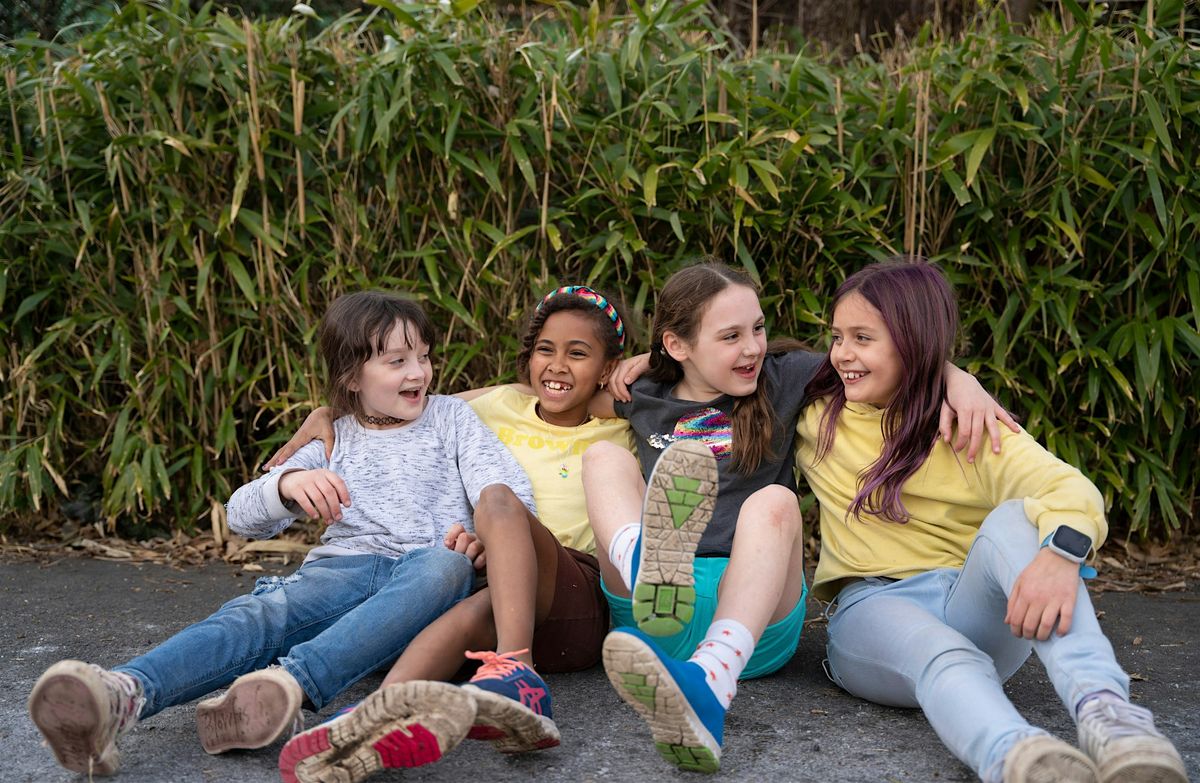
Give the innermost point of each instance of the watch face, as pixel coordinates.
(1072, 541)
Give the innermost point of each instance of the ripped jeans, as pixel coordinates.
(938, 641)
(329, 624)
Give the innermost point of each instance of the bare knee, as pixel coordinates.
(774, 507)
(498, 502)
(603, 454)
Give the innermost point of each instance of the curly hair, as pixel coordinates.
(568, 302)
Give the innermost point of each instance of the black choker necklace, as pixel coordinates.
(384, 421)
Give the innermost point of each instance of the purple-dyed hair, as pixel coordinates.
(921, 315)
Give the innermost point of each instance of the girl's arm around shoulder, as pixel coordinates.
(317, 426)
(969, 406)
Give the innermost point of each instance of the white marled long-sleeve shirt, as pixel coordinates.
(407, 486)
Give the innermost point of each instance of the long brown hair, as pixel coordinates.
(679, 309)
(920, 312)
(355, 328)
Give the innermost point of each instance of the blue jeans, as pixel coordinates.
(938, 641)
(329, 624)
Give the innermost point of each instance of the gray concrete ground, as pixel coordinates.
(793, 726)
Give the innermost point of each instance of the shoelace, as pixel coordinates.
(1118, 719)
(496, 665)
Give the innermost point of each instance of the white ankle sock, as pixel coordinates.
(723, 655)
(620, 551)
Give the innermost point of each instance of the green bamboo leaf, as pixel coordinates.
(252, 221)
(522, 159)
(1095, 177)
(447, 67)
(608, 67)
(509, 240)
(402, 16)
(982, 143)
(29, 303)
(767, 174)
(677, 227)
(715, 116)
(1159, 125)
(1193, 286)
(961, 194)
(1156, 195)
(650, 186)
(242, 277)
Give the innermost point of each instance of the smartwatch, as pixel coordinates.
(1069, 543)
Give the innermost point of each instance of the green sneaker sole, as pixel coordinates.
(645, 684)
(679, 504)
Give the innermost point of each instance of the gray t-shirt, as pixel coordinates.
(407, 485)
(658, 418)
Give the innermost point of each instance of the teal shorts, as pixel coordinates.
(774, 649)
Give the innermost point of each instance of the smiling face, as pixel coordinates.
(863, 352)
(394, 381)
(727, 353)
(567, 366)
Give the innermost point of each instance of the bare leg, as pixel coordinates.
(613, 484)
(765, 575)
(437, 652)
(522, 572)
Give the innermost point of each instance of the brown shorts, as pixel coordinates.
(570, 637)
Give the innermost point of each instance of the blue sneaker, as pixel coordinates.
(685, 718)
(679, 504)
(405, 725)
(513, 707)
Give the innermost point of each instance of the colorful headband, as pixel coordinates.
(588, 295)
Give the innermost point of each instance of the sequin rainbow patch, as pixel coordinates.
(710, 426)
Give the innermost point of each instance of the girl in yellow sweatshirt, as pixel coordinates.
(945, 573)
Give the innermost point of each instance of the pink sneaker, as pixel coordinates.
(513, 704)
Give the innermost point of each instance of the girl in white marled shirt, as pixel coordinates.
(405, 469)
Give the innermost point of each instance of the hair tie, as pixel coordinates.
(588, 295)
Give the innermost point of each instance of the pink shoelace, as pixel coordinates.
(497, 665)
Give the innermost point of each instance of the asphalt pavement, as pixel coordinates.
(793, 726)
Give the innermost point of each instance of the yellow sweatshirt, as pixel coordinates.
(946, 499)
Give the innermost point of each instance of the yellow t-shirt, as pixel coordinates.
(947, 499)
(552, 457)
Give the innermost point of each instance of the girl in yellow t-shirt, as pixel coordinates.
(543, 604)
(944, 575)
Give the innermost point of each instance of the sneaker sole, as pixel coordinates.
(511, 727)
(70, 709)
(1045, 759)
(255, 712)
(400, 726)
(644, 683)
(679, 503)
(1150, 763)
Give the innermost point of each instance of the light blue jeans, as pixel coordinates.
(329, 624)
(938, 641)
